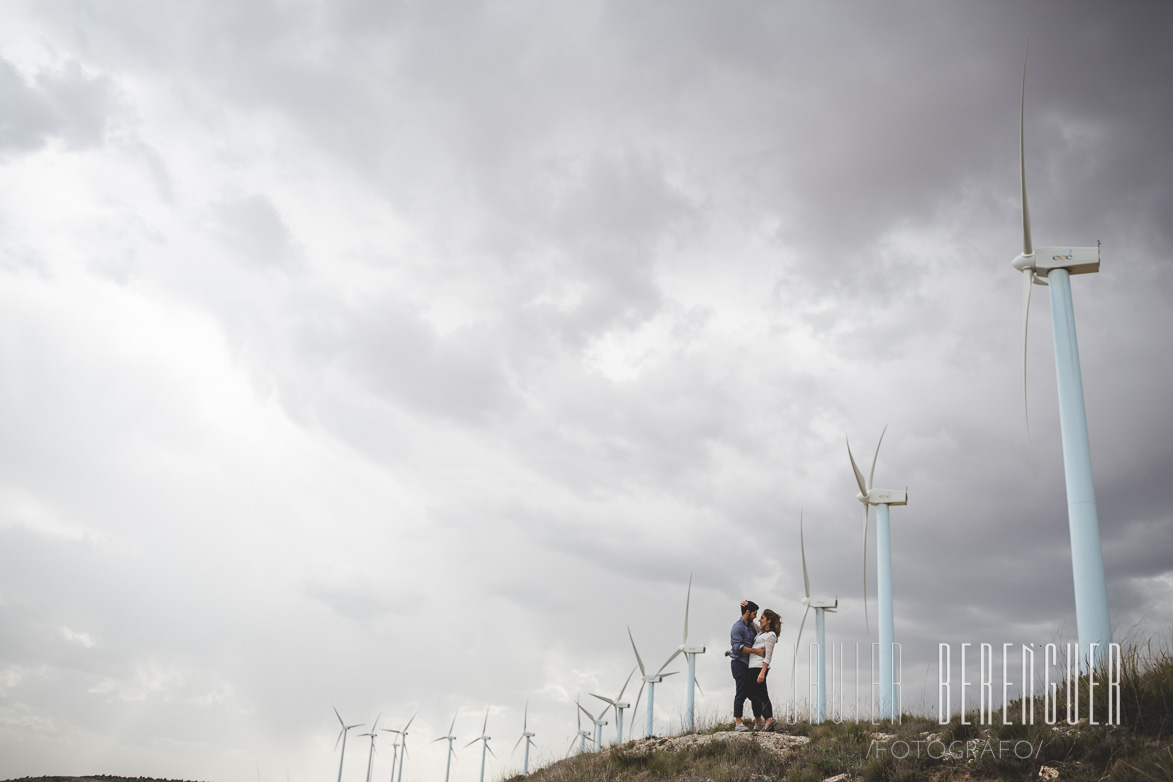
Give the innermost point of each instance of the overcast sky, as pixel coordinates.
(396, 356)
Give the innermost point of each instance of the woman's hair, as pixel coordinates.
(770, 621)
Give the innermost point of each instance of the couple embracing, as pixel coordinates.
(752, 648)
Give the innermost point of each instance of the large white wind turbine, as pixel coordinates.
(599, 723)
(342, 737)
(882, 499)
(651, 680)
(525, 734)
(485, 745)
(449, 738)
(1053, 266)
(821, 606)
(618, 705)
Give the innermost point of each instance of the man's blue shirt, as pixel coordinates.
(742, 634)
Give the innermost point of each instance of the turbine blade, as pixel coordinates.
(453, 725)
(620, 695)
(797, 640)
(486, 725)
(525, 717)
(865, 570)
(490, 749)
(666, 662)
(600, 697)
(1027, 247)
(635, 709)
(408, 725)
(578, 717)
(872, 474)
(589, 715)
(637, 657)
(1027, 275)
(571, 747)
(339, 716)
(806, 582)
(687, 601)
(469, 744)
(339, 739)
(858, 475)
(518, 744)
(698, 685)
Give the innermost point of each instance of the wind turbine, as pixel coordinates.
(618, 705)
(1053, 266)
(342, 737)
(371, 754)
(449, 738)
(582, 735)
(394, 754)
(485, 745)
(599, 723)
(650, 680)
(690, 653)
(882, 499)
(525, 734)
(821, 606)
(403, 734)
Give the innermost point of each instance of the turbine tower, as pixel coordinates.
(1053, 266)
(690, 653)
(650, 680)
(485, 746)
(342, 737)
(821, 606)
(449, 738)
(525, 734)
(618, 705)
(599, 723)
(882, 499)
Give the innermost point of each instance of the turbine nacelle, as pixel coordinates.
(826, 603)
(884, 497)
(692, 649)
(1076, 260)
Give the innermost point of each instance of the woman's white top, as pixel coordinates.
(767, 639)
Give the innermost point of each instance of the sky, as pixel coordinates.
(399, 356)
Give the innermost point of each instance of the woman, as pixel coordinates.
(759, 669)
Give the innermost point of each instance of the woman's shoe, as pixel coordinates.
(756, 727)
(741, 728)
(769, 726)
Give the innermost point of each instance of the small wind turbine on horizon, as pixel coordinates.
(582, 735)
(599, 723)
(342, 737)
(525, 734)
(1053, 267)
(403, 738)
(371, 754)
(618, 705)
(821, 605)
(450, 738)
(651, 681)
(485, 744)
(882, 499)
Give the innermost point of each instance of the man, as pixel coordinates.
(741, 638)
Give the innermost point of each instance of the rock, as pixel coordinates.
(1047, 773)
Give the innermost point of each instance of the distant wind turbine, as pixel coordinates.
(821, 605)
(371, 754)
(618, 705)
(403, 734)
(525, 734)
(882, 499)
(449, 738)
(1053, 266)
(342, 737)
(485, 744)
(582, 735)
(651, 680)
(599, 723)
